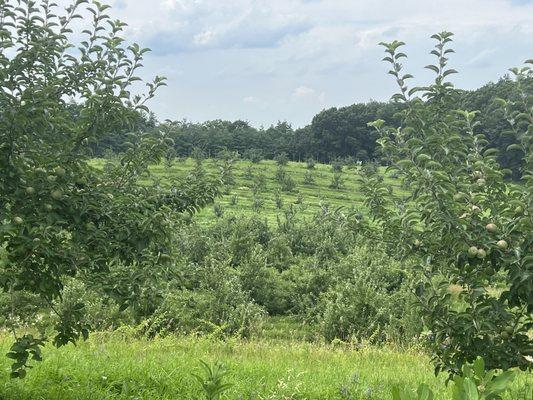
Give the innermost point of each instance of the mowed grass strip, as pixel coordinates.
(306, 199)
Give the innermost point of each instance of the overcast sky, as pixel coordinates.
(270, 60)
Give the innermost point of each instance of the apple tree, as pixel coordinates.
(59, 215)
(469, 227)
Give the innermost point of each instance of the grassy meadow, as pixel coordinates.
(115, 366)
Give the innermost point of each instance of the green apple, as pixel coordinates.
(458, 196)
(57, 194)
(60, 171)
(502, 244)
(491, 228)
(472, 252)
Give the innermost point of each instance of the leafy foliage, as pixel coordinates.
(474, 383)
(212, 382)
(333, 134)
(465, 223)
(59, 216)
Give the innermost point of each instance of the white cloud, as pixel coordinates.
(225, 50)
(204, 37)
(303, 92)
(309, 95)
(250, 100)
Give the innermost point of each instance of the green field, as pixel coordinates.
(114, 366)
(239, 198)
(286, 359)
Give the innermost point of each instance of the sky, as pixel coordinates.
(265, 61)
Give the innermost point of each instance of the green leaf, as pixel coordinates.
(501, 383)
(470, 390)
(449, 72)
(514, 147)
(479, 367)
(433, 68)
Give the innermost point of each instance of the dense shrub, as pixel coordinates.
(211, 298)
(225, 276)
(309, 178)
(370, 298)
(282, 159)
(204, 312)
(337, 181)
(308, 279)
(20, 310)
(99, 312)
(264, 283)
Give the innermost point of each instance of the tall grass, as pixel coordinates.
(116, 366)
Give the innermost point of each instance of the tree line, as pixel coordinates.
(334, 133)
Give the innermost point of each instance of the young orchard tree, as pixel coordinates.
(469, 226)
(59, 216)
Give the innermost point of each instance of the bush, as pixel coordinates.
(242, 235)
(212, 300)
(278, 199)
(99, 312)
(249, 172)
(286, 183)
(257, 203)
(309, 178)
(337, 166)
(308, 280)
(21, 310)
(226, 167)
(204, 312)
(218, 210)
(337, 182)
(259, 183)
(281, 174)
(371, 298)
(264, 283)
(282, 159)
